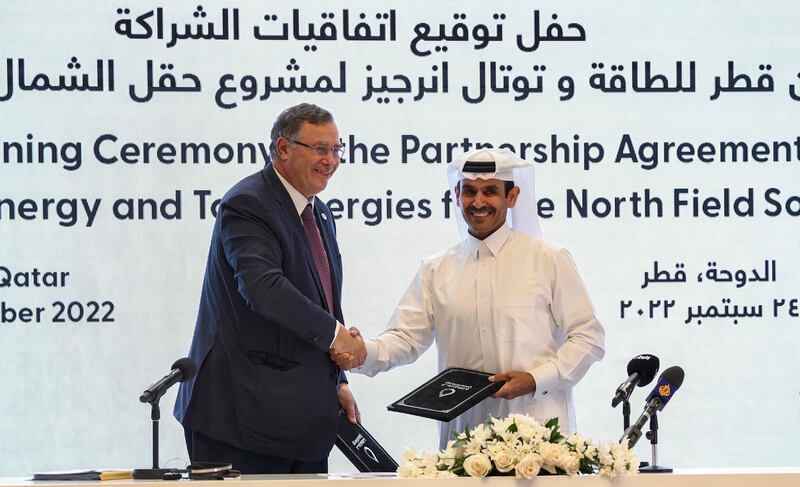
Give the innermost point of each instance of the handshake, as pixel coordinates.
(348, 349)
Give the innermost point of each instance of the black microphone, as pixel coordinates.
(669, 382)
(183, 369)
(641, 371)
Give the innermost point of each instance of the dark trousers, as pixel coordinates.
(205, 449)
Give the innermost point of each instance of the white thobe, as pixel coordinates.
(508, 302)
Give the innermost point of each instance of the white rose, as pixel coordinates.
(528, 467)
(571, 463)
(477, 465)
(551, 455)
(504, 459)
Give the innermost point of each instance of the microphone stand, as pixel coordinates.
(652, 435)
(626, 415)
(155, 472)
(626, 423)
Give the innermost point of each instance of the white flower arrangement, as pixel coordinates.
(518, 445)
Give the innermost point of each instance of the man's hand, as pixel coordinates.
(517, 383)
(348, 403)
(348, 350)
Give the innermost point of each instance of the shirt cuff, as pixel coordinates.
(335, 332)
(546, 377)
(372, 356)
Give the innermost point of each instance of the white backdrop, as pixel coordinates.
(70, 376)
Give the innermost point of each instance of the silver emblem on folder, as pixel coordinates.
(370, 454)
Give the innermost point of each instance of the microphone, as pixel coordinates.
(669, 382)
(183, 369)
(641, 371)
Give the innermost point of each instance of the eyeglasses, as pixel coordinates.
(322, 150)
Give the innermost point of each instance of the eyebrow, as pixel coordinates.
(322, 142)
(474, 186)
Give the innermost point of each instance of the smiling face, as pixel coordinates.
(484, 204)
(307, 171)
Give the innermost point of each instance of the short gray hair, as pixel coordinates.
(290, 120)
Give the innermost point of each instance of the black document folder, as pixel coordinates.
(447, 395)
(361, 448)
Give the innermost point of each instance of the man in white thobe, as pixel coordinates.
(500, 301)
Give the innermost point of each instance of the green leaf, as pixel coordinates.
(586, 466)
(555, 434)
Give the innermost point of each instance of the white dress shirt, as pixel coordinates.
(508, 302)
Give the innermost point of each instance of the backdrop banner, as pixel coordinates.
(666, 143)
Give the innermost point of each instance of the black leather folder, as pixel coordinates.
(363, 451)
(447, 395)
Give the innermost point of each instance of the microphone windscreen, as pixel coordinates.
(646, 366)
(187, 367)
(674, 375)
(666, 387)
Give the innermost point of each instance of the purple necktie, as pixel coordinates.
(319, 254)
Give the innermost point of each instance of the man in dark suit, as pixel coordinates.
(267, 395)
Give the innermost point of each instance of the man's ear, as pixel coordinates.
(512, 196)
(282, 147)
(457, 190)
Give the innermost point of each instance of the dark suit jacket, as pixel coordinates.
(266, 383)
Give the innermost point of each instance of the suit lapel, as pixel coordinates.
(290, 214)
(282, 197)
